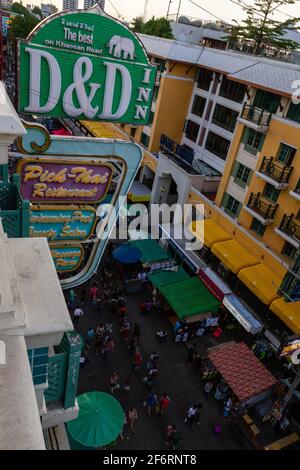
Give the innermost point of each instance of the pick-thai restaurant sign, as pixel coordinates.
(67, 258)
(56, 181)
(62, 223)
(86, 65)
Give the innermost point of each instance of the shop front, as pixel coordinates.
(243, 314)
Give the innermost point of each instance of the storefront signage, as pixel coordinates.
(66, 258)
(85, 65)
(291, 348)
(62, 223)
(236, 314)
(49, 180)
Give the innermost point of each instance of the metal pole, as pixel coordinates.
(170, 1)
(178, 11)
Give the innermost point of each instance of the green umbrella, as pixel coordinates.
(99, 422)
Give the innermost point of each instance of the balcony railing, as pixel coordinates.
(258, 116)
(290, 226)
(14, 211)
(281, 174)
(262, 208)
(180, 154)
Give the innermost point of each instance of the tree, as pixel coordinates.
(18, 8)
(37, 11)
(21, 26)
(262, 29)
(137, 24)
(159, 27)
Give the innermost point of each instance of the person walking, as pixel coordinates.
(137, 359)
(174, 438)
(77, 314)
(151, 402)
(125, 329)
(71, 298)
(227, 408)
(190, 416)
(131, 417)
(152, 377)
(197, 415)
(207, 389)
(114, 383)
(94, 293)
(164, 403)
(108, 347)
(126, 387)
(136, 332)
(90, 335)
(153, 361)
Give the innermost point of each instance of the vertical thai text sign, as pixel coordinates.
(85, 65)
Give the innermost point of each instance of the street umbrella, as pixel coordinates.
(127, 254)
(99, 422)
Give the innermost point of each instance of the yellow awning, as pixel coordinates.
(233, 255)
(104, 130)
(263, 282)
(213, 232)
(288, 312)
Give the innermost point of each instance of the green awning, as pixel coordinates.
(190, 297)
(163, 278)
(151, 250)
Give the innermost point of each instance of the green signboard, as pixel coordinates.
(66, 258)
(85, 65)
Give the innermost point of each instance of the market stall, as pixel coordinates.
(247, 378)
(194, 306)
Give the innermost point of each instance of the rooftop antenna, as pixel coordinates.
(145, 10)
(178, 11)
(170, 1)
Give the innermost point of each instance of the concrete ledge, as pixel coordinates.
(57, 414)
(20, 427)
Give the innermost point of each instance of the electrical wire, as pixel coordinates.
(116, 10)
(206, 11)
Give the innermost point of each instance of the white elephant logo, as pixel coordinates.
(117, 45)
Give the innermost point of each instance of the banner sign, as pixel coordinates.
(291, 347)
(85, 65)
(58, 180)
(66, 258)
(62, 223)
(6, 23)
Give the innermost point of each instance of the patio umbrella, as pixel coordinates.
(99, 422)
(127, 254)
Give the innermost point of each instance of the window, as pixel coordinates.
(286, 154)
(217, 145)
(289, 250)
(267, 101)
(198, 105)
(271, 193)
(242, 174)
(258, 227)
(232, 90)
(253, 141)
(145, 139)
(294, 112)
(231, 206)
(191, 130)
(133, 131)
(225, 117)
(204, 78)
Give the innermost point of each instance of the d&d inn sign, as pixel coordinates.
(85, 65)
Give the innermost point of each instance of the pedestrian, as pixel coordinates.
(227, 407)
(77, 314)
(108, 347)
(125, 329)
(94, 293)
(197, 415)
(100, 330)
(153, 361)
(132, 344)
(191, 351)
(151, 402)
(190, 416)
(164, 403)
(114, 383)
(151, 378)
(122, 312)
(131, 417)
(207, 389)
(121, 301)
(90, 335)
(87, 352)
(174, 438)
(109, 328)
(71, 299)
(136, 331)
(126, 387)
(137, 359)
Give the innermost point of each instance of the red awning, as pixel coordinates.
(245, 374)
(61, 131)
(214, 284)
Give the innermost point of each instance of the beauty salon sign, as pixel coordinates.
(51, 180)
(85, 65)
(66, 223)
(66, 258)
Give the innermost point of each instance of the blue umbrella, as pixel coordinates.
(127, 254)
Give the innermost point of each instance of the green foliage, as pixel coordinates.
(260, 27)
(37, 11)
(159, 27)
(20, 9)
(21, 26)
